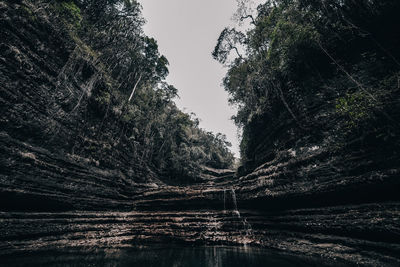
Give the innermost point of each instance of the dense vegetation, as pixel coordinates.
(135, 95)
(339, 56)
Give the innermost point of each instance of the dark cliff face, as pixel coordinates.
(57, 149)
(318, 99)
(59, 153)
(313, 168)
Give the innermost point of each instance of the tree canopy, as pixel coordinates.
(302, 55)
(136, 94)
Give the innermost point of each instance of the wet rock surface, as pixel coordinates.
(67, 182)
(366, 234)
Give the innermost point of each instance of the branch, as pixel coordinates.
(356, 82)
(248, 17)
(282, 97)
(347, 73)
(237, 51)
(134, 88)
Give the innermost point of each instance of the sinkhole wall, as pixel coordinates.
(57, 151)
(57, 156)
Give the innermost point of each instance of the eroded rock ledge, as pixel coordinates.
(55, 195)
(366, 234)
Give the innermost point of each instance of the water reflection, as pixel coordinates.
(160, 256)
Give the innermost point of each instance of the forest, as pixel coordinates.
(302, 56)
(135, 94)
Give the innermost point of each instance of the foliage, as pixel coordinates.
(228, 41)
(134, 93)
(357, 107)
(70, 12)
(304, 56)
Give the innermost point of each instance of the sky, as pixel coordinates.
(186, 32)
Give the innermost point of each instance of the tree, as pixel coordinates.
(229, 40)
(300, 55)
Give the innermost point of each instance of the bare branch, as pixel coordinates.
(253, 21)
(134, 88)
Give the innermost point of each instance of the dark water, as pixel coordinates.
(160, 256)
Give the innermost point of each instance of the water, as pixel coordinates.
(235, 207)
(248, 231)
(163, 256)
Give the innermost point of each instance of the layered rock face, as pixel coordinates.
(67, 180)
(365, 234)
(338, 199)
(57, 150)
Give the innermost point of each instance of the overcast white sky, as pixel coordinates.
(187, 31)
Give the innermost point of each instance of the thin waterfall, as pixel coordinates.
(235, 207)
(247, 227)
(247, 230)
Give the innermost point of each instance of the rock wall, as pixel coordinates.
(210, 214)
(67, 179)
(58, 151)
